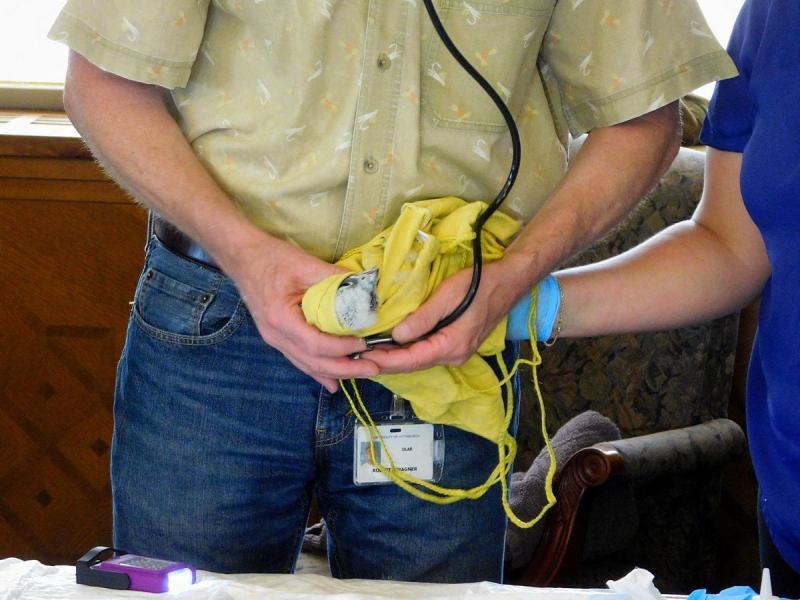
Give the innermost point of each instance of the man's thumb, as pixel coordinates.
(415, 325)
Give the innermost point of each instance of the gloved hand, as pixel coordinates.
(548, 305)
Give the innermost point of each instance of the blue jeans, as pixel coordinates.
(219, 444)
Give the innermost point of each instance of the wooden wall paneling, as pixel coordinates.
(40, 134)
(72, 247)
(27, 167)
(57, 189)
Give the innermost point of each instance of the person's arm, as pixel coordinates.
(707, 267)
(614, 168)
(132, 134)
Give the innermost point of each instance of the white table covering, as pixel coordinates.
(31, 580)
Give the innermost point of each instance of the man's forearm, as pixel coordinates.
(613, 170)
(131, 132)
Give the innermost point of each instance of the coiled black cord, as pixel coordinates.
(516, 147)
(477, 264)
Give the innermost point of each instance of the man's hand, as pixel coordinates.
(273, 283)
(453, 344)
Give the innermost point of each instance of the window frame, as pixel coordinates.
(21, 95)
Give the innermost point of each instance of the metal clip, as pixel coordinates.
(398, 408)
(378, 339)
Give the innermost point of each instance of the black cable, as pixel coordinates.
(477, 262)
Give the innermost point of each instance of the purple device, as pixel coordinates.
(123, 571)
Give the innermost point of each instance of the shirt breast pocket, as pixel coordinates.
(501, 39)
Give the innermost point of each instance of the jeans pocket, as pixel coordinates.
(171, 309)
(501, 40)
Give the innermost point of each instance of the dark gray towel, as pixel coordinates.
(527, 487)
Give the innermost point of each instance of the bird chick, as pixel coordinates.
(356, 303)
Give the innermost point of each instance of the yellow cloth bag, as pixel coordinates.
(431, 240)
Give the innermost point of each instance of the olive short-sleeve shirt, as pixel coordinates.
(320, 118)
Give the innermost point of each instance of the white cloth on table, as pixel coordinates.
(31, 580)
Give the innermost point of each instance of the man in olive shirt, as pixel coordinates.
(276, 136)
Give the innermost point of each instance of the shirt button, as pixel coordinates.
(371, 165)
(384, 62)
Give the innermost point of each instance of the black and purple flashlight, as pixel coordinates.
(123, 571)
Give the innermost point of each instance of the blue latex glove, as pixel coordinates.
(547, 306)
(739, 592)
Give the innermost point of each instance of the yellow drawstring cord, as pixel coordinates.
(506, 444)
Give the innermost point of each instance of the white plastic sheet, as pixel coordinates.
(31, 580)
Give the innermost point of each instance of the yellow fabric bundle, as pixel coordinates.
(431, 240)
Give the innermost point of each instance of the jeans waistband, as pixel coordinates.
(180, 243)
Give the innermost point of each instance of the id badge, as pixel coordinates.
(417, 448)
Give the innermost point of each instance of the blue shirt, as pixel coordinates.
(758, 114)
